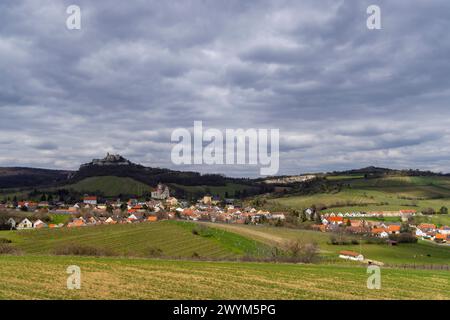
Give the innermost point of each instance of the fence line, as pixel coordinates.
(444, 267)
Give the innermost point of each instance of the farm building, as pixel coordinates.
(90, 200)
(351, 255)
(25, 224)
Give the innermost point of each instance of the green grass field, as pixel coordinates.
(110, 186)
(44, 277)
(220, 191)
(421, 253)
(59, 218)
(389, 193)
(218, 241)
(174, 239)
(344, 177)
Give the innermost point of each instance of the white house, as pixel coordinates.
(420, 233)
(308, 213)
(279, 216)
(132, 217)
(110, 221)
(351, 255)
(383, 234)
(25, 224)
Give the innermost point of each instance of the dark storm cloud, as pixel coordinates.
(342, 96)
(45, 146)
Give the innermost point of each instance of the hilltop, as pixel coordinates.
(109, 160)
(116, 165)
(114, 176)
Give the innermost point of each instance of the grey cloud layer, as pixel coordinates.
(341, 95)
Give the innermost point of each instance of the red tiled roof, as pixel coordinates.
(349, 253)
(335, 219)
(393, 228)
(427, 226)
(408, 211)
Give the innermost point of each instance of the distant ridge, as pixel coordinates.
(371, 170)
(17, 177)
(119, 166)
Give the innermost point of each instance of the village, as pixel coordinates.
(363, 225)
(163, 206)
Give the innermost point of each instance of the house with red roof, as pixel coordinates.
(393, 229)
(440, 238)
(91, 200)
(380, 232)
(333, 220)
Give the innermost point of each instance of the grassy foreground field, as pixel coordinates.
(44, 277)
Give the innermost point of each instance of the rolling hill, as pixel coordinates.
(110, 186)
(169, 238)
(219, 241)
(356, 192)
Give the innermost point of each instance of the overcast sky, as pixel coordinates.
(342, 96)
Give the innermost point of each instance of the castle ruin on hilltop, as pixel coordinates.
(109, 160)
